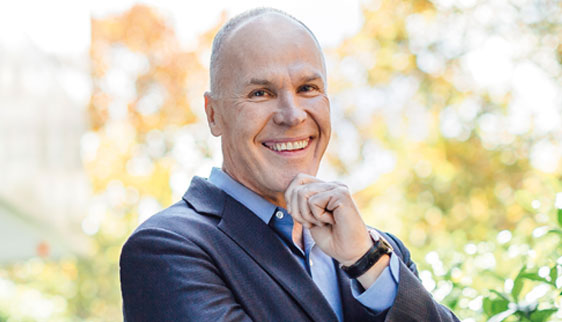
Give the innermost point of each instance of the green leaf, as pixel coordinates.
(542, 315)
(518, 284)
(555, 231)
(453, 303)
(517, 287)
(534, 276)
(500, 295)
(553, 275)
(487, 306)
(495, 306)
(560, 217)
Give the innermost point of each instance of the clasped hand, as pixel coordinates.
(329, 212)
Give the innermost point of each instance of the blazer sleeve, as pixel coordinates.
(165, 277)
(413, 302)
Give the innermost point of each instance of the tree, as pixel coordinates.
(435, 131)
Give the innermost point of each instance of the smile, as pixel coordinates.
(287, 146)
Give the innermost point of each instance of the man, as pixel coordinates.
(263, 239)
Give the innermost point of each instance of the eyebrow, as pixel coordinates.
(311, 78)
(263, 82)
(304, 79)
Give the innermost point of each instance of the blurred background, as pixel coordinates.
(447, 119)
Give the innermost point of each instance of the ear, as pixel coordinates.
(212, 115)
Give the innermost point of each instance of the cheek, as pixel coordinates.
(245, 125)
(320, 112)
(253, 121)
(234, 121)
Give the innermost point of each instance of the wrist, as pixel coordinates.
(370, 276)
(380, 249)
(360, 253)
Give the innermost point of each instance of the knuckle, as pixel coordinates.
(312, 198)
(337, 183)
(344, 190)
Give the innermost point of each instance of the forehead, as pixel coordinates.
(272, 43)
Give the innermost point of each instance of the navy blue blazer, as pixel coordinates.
(208, 258)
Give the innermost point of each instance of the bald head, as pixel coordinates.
(268, 21)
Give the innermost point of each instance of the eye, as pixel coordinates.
(307, 88)
(259, 93)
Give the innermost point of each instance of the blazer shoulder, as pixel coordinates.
(179, 219)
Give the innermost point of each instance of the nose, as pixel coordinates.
(289, 112)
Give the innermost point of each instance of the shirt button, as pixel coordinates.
(311, 263)
(279, 215)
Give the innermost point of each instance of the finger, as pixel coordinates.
(300, 216)
(336, 201)
(302, 205)
(339, 203)
(293, 201)
(308, 191)
(328, 201)
(299, 200)
(298, 180)
(303, 178)
(318, 204)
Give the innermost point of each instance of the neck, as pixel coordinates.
(275, 197)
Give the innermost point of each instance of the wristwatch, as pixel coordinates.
(380, 247)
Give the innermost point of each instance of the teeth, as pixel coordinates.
(289, 146)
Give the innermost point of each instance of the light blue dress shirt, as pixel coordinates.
(317, 264)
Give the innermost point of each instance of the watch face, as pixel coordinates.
(374, 234)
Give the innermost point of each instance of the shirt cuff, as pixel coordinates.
(382, 293)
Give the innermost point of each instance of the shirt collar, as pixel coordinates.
(251, 200)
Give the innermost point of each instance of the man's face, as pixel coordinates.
(272, 110)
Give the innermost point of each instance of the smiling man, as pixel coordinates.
(263, 238)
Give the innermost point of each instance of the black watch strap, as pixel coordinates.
(380, 247)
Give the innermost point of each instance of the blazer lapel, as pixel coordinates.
(205, 197)
(259, 241)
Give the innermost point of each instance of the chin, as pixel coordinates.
(285, 176)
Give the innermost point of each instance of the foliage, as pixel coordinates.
(434, 152)
(444, 168)
(138, 111)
